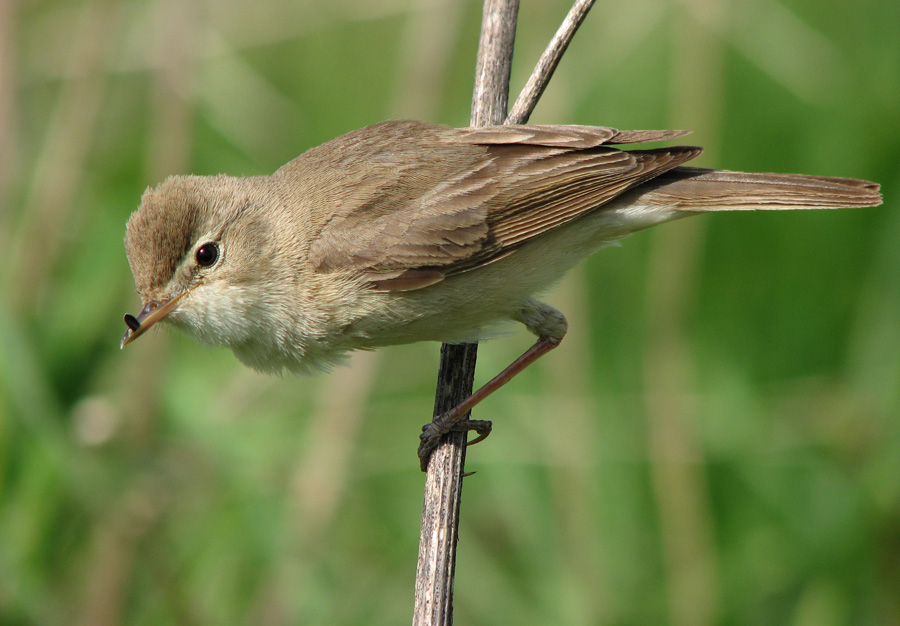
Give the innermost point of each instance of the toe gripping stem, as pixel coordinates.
(455, 420)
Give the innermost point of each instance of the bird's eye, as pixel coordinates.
(207, 254)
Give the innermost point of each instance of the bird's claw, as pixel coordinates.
(434, 432)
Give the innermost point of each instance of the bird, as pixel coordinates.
(405, 231)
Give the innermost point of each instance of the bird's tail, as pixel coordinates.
(700, 190)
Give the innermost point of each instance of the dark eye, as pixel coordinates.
(207, 254)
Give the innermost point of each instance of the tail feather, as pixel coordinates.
(698, 189)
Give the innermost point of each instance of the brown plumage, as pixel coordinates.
(404, 231)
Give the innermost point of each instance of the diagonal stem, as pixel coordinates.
(546, 65)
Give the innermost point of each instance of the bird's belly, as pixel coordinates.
(475, 304)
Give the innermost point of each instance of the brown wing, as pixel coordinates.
(499, 187)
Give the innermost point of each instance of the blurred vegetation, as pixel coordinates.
(717, 441)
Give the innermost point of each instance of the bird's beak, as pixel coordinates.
(152, 312)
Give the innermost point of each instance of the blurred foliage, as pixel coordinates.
(717, 441)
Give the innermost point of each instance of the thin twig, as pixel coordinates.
(546, 65)
(443, 485)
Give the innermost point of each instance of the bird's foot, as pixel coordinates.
(434, 432)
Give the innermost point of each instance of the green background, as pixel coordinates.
(716, 442)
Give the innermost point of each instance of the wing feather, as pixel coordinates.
(492, 189)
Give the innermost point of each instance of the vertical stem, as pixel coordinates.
(494, 63)
(443, 490)
(443, 484)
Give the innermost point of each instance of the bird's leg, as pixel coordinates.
(550, 327)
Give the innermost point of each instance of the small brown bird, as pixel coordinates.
(405, 231)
